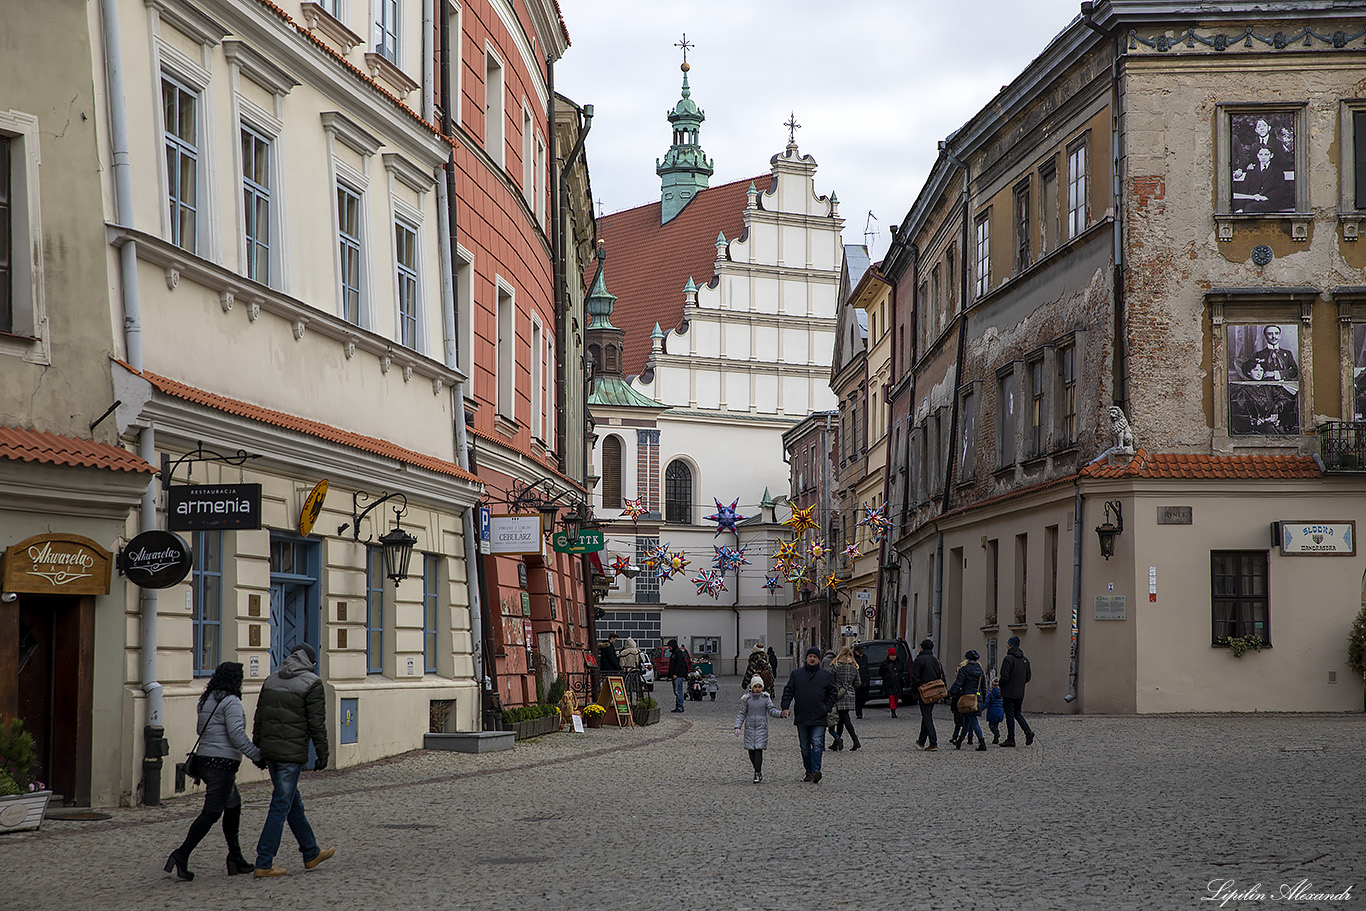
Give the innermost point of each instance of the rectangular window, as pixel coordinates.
(967, 449)
(457, 71)
(647, 583)
(1067, 389)
(933, 455)
(207, 583)
(936, 301)
(1051, 602)
(1022, 227)
(1239, 596)
(386, 30)
(507, 364)
(1005, 419)
(256, 204)
(374, 610)
(1036, 408)
(950, 288)
(1263, 378)
(1048, 206)
(349, 245)
(993, 581)
(180, 108)
(405, 246)
(429, 608)
(1022, 579)
(538, 182)
(551, 389)
(464, 305)
(528, 157)
(6, 239)
(1078, 216)
(1359, 147)
(537, 379)
(493, 107)
(983, 262)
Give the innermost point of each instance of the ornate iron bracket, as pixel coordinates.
(357, 513)
(200, 454)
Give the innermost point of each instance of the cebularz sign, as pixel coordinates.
(213, 507)
(156, 559)
(515, 534)
(1309, 539)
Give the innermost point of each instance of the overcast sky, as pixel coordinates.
(875, 85)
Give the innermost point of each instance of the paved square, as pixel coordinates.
(1102, 812)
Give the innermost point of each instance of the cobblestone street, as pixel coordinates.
(1102, 812)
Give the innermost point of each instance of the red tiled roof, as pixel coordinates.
(313, 428)
(1196, 466)
(54, 449)
(648, 264)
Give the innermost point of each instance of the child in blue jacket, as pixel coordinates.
(996, 709)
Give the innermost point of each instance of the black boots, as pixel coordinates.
(857, 744)
(981, 746)
(180, 864)
(232, 821)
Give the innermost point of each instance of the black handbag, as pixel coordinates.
(193, 770)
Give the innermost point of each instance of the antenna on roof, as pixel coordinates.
(869, 231)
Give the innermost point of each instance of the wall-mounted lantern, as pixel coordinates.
(397, 543)
(1110, 530)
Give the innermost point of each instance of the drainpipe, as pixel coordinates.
(446, 226)
(428, 60)
(561, 229)
(825, 505)
(154, 741)
(1076, 598)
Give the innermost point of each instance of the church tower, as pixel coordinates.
(605, 341)
(685, 169)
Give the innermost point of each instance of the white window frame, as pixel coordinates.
(505, 347)
(528, 156)
(495, 106)
(251, 189)
(982, 246)
(357, 241)
(28, 337)
(455, 17)
(465, 304)
(174, 201)
(538, 181)
(334, 8)
(537, 360)
(551, 392)
(388, 34)
(413, 275)
(1078, 185)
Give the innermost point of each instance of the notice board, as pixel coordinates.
(613, 698)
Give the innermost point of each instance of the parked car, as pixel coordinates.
(875, 650)
(647, 665)
(661, 662)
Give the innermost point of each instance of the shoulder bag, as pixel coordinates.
(193, 769)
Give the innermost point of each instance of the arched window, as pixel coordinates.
(595, 355)
(611, 472)
(612, 366)
(678, 492)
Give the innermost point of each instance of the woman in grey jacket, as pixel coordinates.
(223, 741)
(755, 707)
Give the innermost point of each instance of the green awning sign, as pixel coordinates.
(586, 542)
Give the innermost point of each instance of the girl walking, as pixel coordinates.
(996, 709)
(223, 741)
(847, 681)
(755, 708)
(970, 682)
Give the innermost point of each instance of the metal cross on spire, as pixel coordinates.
(792, 126)
(686, 45)
(599, 207)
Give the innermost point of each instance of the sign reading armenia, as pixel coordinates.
(213, 507)
(56, 564)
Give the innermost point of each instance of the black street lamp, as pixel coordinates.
(397, 543)
(1108, 531)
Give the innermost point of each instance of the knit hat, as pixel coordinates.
(756, 681)
(891, 653)
(814, 651)
(972, 655)
(758, 647)
(308, 652)
(1013, 641)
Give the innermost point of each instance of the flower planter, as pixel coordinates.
(536, 727)
(23, 812)
(593, 721)
(646, 716)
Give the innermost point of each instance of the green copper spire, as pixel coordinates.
(599, 301)
(686, 169)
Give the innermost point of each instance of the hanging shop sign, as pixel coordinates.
(213, 507)
(588, 541)
(1317, 539)
(156, 559)
(313, 507)
(515, 534)
(56, 564)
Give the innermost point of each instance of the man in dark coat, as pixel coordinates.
(679, 666)
(813, 689)
(608, 660)
(291, 711)
(1015, 674)
(925, 668)
(861, 691)
(773, 662)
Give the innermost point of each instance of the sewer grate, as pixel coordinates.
(404, 825)
(516, 860)
(86, 816)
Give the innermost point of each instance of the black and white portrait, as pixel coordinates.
(1359, 371)
(1263, 379)
(1262, 162)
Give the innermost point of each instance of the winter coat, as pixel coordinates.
(753, 717)
(891, 671)
(630, 656)
(970, 679)
(996, 706)
(925, 668)
(292, 711)
(608, 662)
(758, 665)
(222, 728)
(814, 691)
(1015, 673)
(772, 660)
(864, 672)
(846, 681)
(679, 662)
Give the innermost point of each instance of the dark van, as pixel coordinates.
(875, 650)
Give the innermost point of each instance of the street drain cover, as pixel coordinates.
(85, 816)
(404, 825)
(517, 860)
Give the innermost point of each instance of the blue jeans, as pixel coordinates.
(285, 806)
(971, 726)
(812, 740)
(680, 684)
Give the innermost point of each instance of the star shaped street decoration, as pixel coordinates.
(725, 517)
(635, 509)
(802, 520)
(852, 551)
(773, 582)
(796, 571)
(677, 564)
(620, 565)
(788, 549)
(831, 581)
(818, 550)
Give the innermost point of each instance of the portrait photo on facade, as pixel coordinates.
(1359, 371)
(1263, 379)
(1263, 162)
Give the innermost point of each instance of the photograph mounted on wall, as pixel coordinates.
(1263, 163)
(1263, 379)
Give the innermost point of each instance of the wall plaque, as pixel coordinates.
(56, 564)
(1111, 607)
(1175, 515)
(515, 534)
(1318, 539)
(156, 559)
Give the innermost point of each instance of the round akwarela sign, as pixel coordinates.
(156, 559)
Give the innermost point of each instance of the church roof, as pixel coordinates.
(651, 263)
(615, 391)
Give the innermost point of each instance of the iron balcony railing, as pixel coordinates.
(1342, 445)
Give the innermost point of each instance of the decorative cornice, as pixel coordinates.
(382, 67)
(319, 19)
(257, 67)
(204, 30)
(350, 133)
(1222, 41)
(407, 173)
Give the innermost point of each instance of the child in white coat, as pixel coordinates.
(755, 708)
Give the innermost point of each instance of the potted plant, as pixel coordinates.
(646, 711)
(1356, 645)
(593, 715)
(23, 800)
(1239, 645)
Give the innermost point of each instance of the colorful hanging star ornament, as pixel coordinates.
(831, 580)
(818, 550)
(619, 566)
(655, 556)
(677, 565)
(709, 582)
(852, 551)
(801, 520)
(788, 549)
(728, 558)
(773, 582)
(796, 570)
(634, 509)
(725, 517)
(780, 565)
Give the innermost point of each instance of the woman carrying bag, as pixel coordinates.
(968, 695)
(847, 681)
(223, 741)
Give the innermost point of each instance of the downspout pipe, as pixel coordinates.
(563, 240)
(154, 741)
(1076, 599)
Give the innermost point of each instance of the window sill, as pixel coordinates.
(1035, 461)
(1003, 470)
(990, 628)
(1018, 627)
(1068, 449)
(1227, 223)
(1047, 624)
(505, 425)
(382, 67)
(319, 19)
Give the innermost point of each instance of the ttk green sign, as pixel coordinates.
(587, 542)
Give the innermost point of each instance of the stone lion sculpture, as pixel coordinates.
(1123, 433)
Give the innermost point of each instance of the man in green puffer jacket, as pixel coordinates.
(291, 711)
